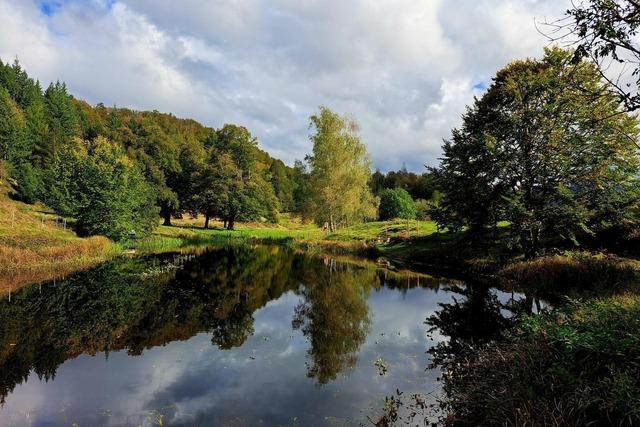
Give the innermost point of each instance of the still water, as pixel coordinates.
(248, 335)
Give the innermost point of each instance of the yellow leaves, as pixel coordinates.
(490, 142)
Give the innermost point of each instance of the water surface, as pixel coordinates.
(249, 335)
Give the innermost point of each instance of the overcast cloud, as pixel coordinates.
(405, 69)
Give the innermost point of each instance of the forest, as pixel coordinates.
(115, 170)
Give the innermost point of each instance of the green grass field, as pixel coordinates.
(379, 234)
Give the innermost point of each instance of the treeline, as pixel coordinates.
(404, 194)
(115, 170)
(419, 186)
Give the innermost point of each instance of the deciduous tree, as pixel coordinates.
(541, 153)
(340, 169)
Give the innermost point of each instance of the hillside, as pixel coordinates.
(33, 247)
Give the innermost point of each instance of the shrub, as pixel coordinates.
(396, 203)
(578, 271)
(577, 366)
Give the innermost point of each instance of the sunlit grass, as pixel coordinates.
(360, 238)
(383, 230)
(35, 245)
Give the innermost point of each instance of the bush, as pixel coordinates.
(396, 203)
(577, 366)
(577, 271)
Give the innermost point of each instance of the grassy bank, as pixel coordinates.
(417, 245)
(36, 246)
(573, 273)
(579, 365)
(363, 239)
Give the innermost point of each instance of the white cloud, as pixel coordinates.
(404, 69)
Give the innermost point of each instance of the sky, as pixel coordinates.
(404, 69)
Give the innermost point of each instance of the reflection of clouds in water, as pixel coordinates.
(265, 379)
(405, 353)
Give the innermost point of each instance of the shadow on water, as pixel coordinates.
(475, 316)
(270, 335)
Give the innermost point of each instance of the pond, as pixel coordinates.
(241, 335)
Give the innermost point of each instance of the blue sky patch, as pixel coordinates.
(480, 86)
(49, 7)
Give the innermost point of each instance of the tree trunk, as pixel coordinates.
(531, 243)
(224, 223)
(206, 221)
(167, 218)
(230, 223)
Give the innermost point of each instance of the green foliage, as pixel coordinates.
(23, 89)
(578, 366)
(12, 129)
(541, 151)
(101, 187)
(62, 120)
(234, 185)
(396, 203)
(114, 199)
(28, 182)
(283, 185)
(339, 172)
(301, 187)
(418, 186)
(39, 133)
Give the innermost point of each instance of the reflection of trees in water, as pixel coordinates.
(220, 290)
(479, 317)
(334, 315)
(475, 317)
(136, 304)
(139, 303)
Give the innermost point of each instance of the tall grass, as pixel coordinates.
(574, 271)
(20, 266)
(579, 366)
(35, 245)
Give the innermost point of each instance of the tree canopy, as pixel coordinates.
(396, 203)
(339, 172)
(48, 137)
(543, 154)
